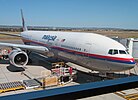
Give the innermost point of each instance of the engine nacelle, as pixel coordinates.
(18, 58)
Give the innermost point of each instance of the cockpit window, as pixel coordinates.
(122, 52)
(127, 51)
(113, 51)
(110, 51)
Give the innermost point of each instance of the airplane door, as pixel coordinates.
(86, 49)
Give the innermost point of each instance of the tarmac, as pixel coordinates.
(39, 64)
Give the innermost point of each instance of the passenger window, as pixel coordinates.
(122, 52)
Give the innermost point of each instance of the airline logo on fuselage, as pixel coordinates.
(49, 37)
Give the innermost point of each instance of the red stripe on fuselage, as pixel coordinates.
(82, 53)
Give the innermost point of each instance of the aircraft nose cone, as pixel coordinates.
(132, 60)
(132, 63)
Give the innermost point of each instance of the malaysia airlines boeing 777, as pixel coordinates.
(89, 50)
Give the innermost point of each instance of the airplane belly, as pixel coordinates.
(91, 63)
(117, 67)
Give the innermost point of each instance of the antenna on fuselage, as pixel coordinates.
(23, 22)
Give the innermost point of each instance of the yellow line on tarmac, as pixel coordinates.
(133, 96)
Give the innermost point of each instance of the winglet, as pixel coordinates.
(23, 22)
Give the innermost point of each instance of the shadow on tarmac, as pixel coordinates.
(12, 68)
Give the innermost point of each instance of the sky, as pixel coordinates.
(71, 13)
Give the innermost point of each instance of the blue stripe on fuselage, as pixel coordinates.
(82, 54)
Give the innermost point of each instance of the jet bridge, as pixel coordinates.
(131, 44)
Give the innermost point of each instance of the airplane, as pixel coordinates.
(90, 50)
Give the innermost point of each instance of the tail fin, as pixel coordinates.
(23, 22)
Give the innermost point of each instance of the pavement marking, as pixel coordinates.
(133, 96)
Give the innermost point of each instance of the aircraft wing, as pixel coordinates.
(10, 34)
(22, 46)
(26, 47)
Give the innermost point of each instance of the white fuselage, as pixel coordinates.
(90, 50)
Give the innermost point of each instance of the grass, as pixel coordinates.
(115, 33)
(120, 34)
(2, 36)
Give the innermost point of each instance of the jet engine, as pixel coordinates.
(18, 58)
